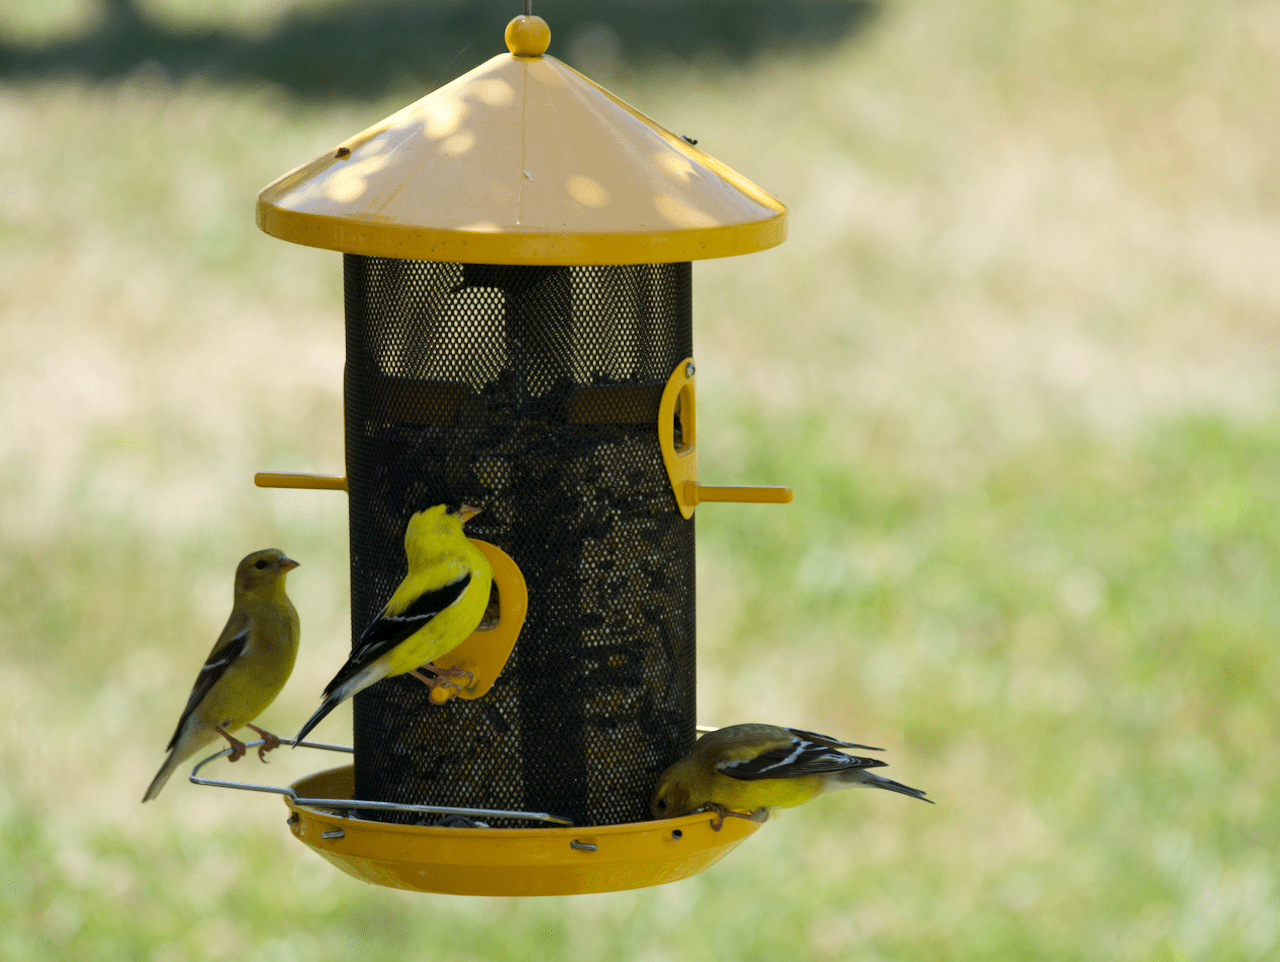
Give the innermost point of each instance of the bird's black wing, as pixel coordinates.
(829, 741)
(214, 668)
(794, 758)
(387, 631)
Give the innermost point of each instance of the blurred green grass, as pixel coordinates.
(1018, 359)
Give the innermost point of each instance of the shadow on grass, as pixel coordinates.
(362, 50)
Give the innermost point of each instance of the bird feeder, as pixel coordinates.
(517, 266)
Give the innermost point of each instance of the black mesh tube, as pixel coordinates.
(532, 392)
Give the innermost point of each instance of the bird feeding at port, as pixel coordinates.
(517, 261)
(439, 603)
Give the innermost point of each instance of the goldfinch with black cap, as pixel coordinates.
(249, 664)
(438, 604)
(758, 768)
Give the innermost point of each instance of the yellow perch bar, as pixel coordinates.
(322, 482)
(743, 494)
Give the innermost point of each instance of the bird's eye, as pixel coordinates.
(260, 565)
(662, 803)
(452, 509)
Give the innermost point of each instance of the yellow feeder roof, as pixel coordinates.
(522, 161)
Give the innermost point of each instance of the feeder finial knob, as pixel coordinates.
(528, 36)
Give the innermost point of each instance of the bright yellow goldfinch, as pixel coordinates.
(249, 664)
(438, 604)
(757, 768)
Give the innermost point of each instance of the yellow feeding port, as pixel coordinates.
(521, 161)
(511, 861)
(678, 439)
(487, 649)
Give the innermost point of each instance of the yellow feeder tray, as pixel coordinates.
(487, 861)
(507, 861)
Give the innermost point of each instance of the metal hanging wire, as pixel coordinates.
(346, 804)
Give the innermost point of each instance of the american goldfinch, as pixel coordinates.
(438, 604)
(758, 768)
(249, 664)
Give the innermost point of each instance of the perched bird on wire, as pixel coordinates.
(249, 664)
(438, 604)
(758, 768)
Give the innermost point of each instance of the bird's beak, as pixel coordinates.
(468, 512)
(287, 564)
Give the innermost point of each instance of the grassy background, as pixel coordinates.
(1018, 360)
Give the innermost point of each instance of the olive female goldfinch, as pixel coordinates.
(758, 768)
(438, 604)
(249, 664)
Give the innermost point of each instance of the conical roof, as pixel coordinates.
(521, 161)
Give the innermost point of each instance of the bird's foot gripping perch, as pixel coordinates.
(444, 677)
(759, 815)
(237, 746)
(270, 742)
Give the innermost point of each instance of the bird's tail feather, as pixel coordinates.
(328, 705)
(863, 777)
(189, 740)
(167, 769)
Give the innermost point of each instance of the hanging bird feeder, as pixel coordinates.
(517, 258)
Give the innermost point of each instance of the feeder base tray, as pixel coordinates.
(516, 861)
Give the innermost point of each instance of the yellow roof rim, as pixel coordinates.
(522, 161)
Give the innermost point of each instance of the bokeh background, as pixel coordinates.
(1018, 360)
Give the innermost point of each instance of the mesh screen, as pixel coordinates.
(532, 392)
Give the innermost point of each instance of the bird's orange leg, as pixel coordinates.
(724, 813)
(429, 682)
(444, 676)
(237, 747)
(269, 742)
